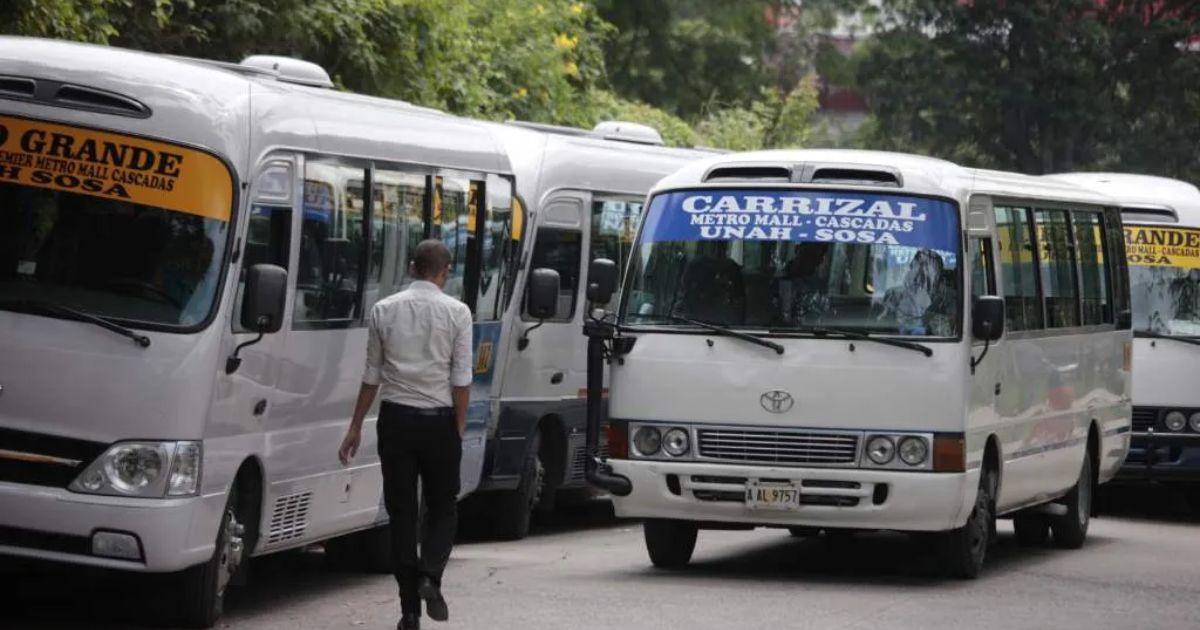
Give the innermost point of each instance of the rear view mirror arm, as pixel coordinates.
(975, 361)
(523, 342)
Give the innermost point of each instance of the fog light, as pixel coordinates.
(913, 451)
(675, 442)
(881, 449)
(1175, 421)
(116, 545)
(647, 441)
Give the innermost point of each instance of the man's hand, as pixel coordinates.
(350, 444)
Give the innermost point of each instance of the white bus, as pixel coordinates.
(843, 340)
(187, 250)
(1162, 242)
(583, 190)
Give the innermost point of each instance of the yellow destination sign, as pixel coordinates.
(1162, 247)
(114, 166)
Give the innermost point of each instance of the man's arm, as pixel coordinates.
(366, 392)
(462, 369)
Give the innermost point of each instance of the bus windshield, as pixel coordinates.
(1164, 280)
(110, 226)
(790, 261)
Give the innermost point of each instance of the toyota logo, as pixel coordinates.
(776, 401)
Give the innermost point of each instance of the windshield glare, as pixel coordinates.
(784, 261)
(1164, 279)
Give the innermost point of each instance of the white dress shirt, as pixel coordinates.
(418, 346)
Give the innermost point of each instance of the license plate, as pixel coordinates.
(772, 496)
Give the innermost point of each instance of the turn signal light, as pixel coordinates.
(618, 440)
(949, 454)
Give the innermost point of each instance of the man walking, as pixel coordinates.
(419, 355)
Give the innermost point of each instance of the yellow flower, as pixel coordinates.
(571, 69)
(521, 93)
(577, 8)
(566, 42)
(541, 10)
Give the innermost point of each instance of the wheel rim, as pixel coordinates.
(232, 547)
(539, 482)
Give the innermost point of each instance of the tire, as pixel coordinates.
(202, 588)
(514, 508)
(1032, 530)
(1070, 530)
(804, 532)
(961, 551)
(670, 543)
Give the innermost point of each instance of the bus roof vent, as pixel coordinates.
(628, 132)
(750, 173)
(1150, 213)
(80, 97)
(291, 70)
(861, 176)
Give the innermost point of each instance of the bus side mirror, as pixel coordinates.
(601, 281)
(1125, 320)
(262, 304)
(541, 300)
(262, 307)
(987, 317)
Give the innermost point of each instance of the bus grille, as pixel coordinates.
(778, 447)
(1144, 418)
(44, 460)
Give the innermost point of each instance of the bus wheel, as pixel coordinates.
(202, 588)
(670, 543)
(1070, 529)
(514, 508)
(962, 550)
(1032, 530)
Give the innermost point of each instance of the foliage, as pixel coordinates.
(775, 120)
(1037, 86)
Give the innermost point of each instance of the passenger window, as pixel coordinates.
(1093, 276)
(499, 250)
(1023, 308)
(560, 250)
(1057, 268)
(397, 226)
(453, 224)
(614, 223)
(982, 278)
(1118, 265)
(268, 241)
(329, 277)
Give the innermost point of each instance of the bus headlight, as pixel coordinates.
(1175, 421)
(913, 451)
(881, 449)
(143, 469)
(1194, 422)
(647, 441)
(676, 443)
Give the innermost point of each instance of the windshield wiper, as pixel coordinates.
(1153, 335)
(722, 330)
(821, 331)
(77, 315)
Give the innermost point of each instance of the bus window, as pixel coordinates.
(614, 222)
(331, 246)
(397, 225)
(983, 281)
(1023, 310)
(560, 249)
(1057, 268)
(1089, 239)
(452, 224)
(268, 241)
(499, 250)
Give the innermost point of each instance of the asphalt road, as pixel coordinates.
(1140, 569)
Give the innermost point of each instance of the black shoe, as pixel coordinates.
(435, 604)
(409, 622)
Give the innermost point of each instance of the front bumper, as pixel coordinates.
(1168, 457)
(55, 524)
(830, 497)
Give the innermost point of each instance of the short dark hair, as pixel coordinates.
(430, 258)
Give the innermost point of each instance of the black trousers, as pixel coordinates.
(420, 443)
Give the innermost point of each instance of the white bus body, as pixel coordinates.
(583, 192)
(835, 258)
(1162, 241)
(140, 189)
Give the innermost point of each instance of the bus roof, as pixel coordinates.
(1144, 197)
(216, 105)
(903, 172)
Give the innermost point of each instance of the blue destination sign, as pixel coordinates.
(802, 216)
